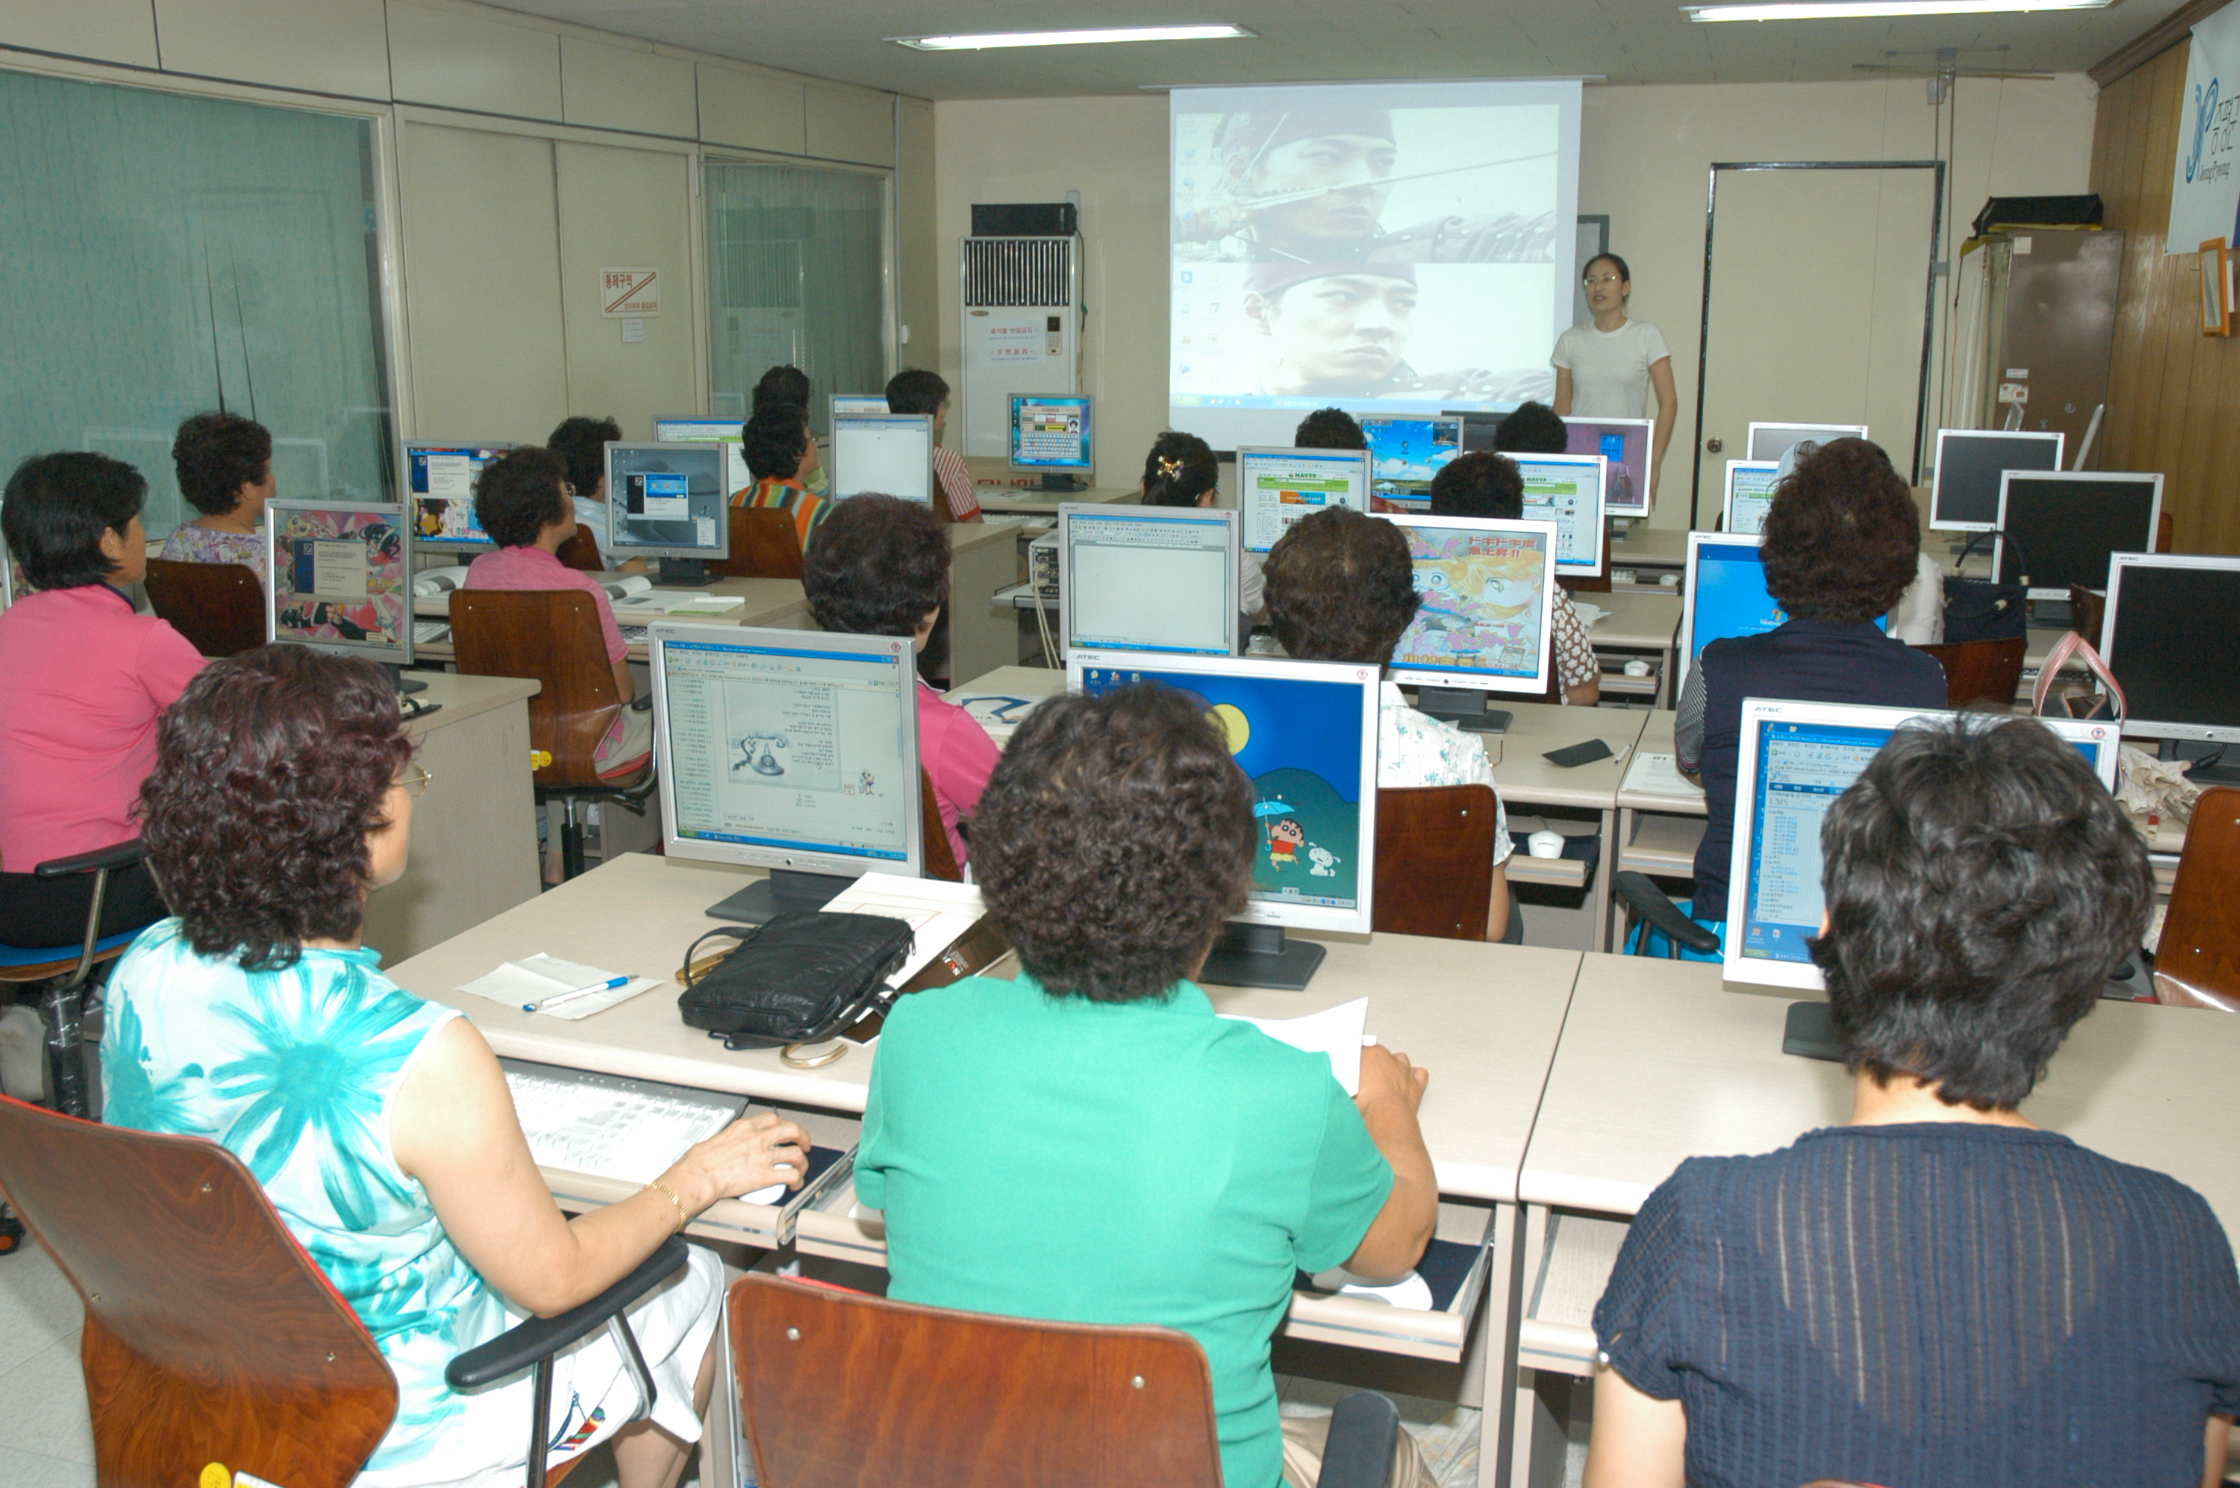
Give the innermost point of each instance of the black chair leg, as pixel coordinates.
(540, 1422)
(571, 842)
(66, 1068)
(11, 1232)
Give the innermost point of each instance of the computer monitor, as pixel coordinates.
(891, 453)
(671, 428)
(1484, 624)
(1749, 495)
(2060, 527)
(1724, 594)
(668, 501)
(1148, 578)
(1964, 492)
(1795, 759)
(439, 481)
(1567, 490)
(1405, 453)
(1772, 441)
(1624, 444)
(791, 750)
(340, 579)
(1052, 435)
(2171, 634)
(1277, 487)
(1305, 735)
(844, 404)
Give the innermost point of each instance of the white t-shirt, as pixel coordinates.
(1610, 369)
(1919, 617)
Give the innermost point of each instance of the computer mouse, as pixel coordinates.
(1545, 844)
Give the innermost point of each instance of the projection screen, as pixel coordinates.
(1384, 247)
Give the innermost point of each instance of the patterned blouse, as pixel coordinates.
(1574, 657)
(191, 544)
(1416, 749)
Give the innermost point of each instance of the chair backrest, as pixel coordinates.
(2087, 607)
(765, 544)
(1980, 669)
(840, 1387)
(581, 551)
(210, 1336)
(2164, 529)
(941, 858)
(1434, 861)
(2198, 961)
(218, 607)
(553, 636)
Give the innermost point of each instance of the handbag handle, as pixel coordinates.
(685, 977)
(2072, 644)
(2021, 558)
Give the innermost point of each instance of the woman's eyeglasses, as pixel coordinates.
(414, 782)
(1604, 279)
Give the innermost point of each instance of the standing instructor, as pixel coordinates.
(1607, 369)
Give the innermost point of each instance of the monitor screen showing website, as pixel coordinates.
(667, 500)
(341, 578)
(2171, 635)
(1051, 432)
(1749, 495)
(1567, 490)
(1277, 487)
(1964, 493)
(890, 453)
(439, 479)
(1796, 759)
(1405, 455)
(1305, 735)
(786, 748)
(1149, 578)
(1772, 441)
(1487, 593)
(671, 428)
(2061, 527)
(1624, 446)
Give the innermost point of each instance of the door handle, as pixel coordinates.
(1714, 446)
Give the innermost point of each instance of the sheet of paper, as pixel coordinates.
(1410, 1291)
(936, 911)
(518, 983)
(1000, 713)
(1336, 1032)
(1659, 774)
(1589, 612)
(611, 1133)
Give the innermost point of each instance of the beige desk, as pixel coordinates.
(1636, 623)
(982, 559)
(767, 602)
(1658, 830)
(1648, 553)
(1025, 501)
(1526, 779)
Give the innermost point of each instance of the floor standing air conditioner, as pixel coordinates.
(1021, 330)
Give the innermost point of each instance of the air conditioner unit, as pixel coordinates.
(1021, 330)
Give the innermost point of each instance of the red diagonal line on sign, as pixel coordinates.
(632, 290)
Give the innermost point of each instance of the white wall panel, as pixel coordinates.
(622, 208)
(109, 30)
(319, 46)
(851, 126)
(470, 57)
(615, 87)
(752, 110)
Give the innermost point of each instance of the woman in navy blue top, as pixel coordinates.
(1938, 1295)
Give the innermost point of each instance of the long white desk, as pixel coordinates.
(764, 602)
(1636, 623)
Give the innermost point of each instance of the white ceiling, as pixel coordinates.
(1624, 41)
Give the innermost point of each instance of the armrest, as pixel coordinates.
(118, 855)
(1649, 902)
(519, 1347)
(1364, 1437)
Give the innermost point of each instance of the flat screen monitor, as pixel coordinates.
(844, 404)
(1624, 445)
(1052, 432)
(1749, 496)
(667, 501)
(1405, 453)
(1305, 735)
(791, 750)
(1277, 487)
(340, 578)
(1724, 594)
(1772, 441)
(890, 453)
(439, 482)
(1964, 493)
(1487, 600)
(1795, 759)
(2060, 527)
(1149, 578)
(1567, 490)
(2171, 634)
(671, 428)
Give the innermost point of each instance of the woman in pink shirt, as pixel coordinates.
(85, 680)
(880, 566)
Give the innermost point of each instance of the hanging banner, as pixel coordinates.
(2205, 187)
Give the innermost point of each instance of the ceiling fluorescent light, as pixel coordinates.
(986, 40)
(1823, 10)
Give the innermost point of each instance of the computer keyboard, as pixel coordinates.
(633, 635)
(427, 632)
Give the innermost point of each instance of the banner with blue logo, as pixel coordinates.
(2205, 187)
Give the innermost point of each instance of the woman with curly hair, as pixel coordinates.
(224, 465)
(380, 1125)
(782, 457)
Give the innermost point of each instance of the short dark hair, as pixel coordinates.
(580, 444)
(1114, 837)
(1842, 536)
(1478, 483)
(784, 384)
(215, 455)
(518, 495)
(55, 509)
(1194, 471)
(1980, 884)
(1625, 275)
(776, 435)
(1532, 429)
(1329, 428)
(271, 769)
(1341, 587)
(877, 565)
(915, 390)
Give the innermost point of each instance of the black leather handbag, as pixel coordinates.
(799, 979)
(1986, 609)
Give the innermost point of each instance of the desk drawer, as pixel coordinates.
(764, 1226)
(1575, 1254)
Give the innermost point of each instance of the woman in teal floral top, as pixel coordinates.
(380, 1125)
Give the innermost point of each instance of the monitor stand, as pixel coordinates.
(1463, 708)
(785, 891)
(1261, 956)
(406, 686)
(1809, 1032)
(2223, 769)
(1054, 482)
(685, 573)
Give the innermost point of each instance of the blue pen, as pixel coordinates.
(559, 997)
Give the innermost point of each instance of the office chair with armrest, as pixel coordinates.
(2198, 963)
(64, 969)
(1438, 840)
(2086, 609)
(765, 544)
(553, 636)
(218, 607)
(211, 1336)
(1989, 671)
(839, 1387)
(581, 551)
(1644, 901)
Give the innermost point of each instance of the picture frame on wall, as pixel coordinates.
(2216, 289)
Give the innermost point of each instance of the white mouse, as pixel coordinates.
(1545, 844)
(1637, 669)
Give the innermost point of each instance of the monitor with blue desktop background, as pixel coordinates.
(1724, 594)
(1148, 578)
(1964, 489)
(340, 578)
(890, 453)
(668, 501)
(1053, 434)
(1567, 490)
(439, 479)
(1277, 487)
(1484, 621)
(708, 428)
(1305, 735)
(1749, 496)
(1405, 454)
(1624, 446)
(2171, 635)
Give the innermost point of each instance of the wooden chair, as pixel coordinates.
(2198, 964)
(581, 551)
(218, 607)
(552, 635)
(941, 858)
(1989, 670)
(1438, 840)
(839, 1387)
(2087, 607)
(765, 544)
